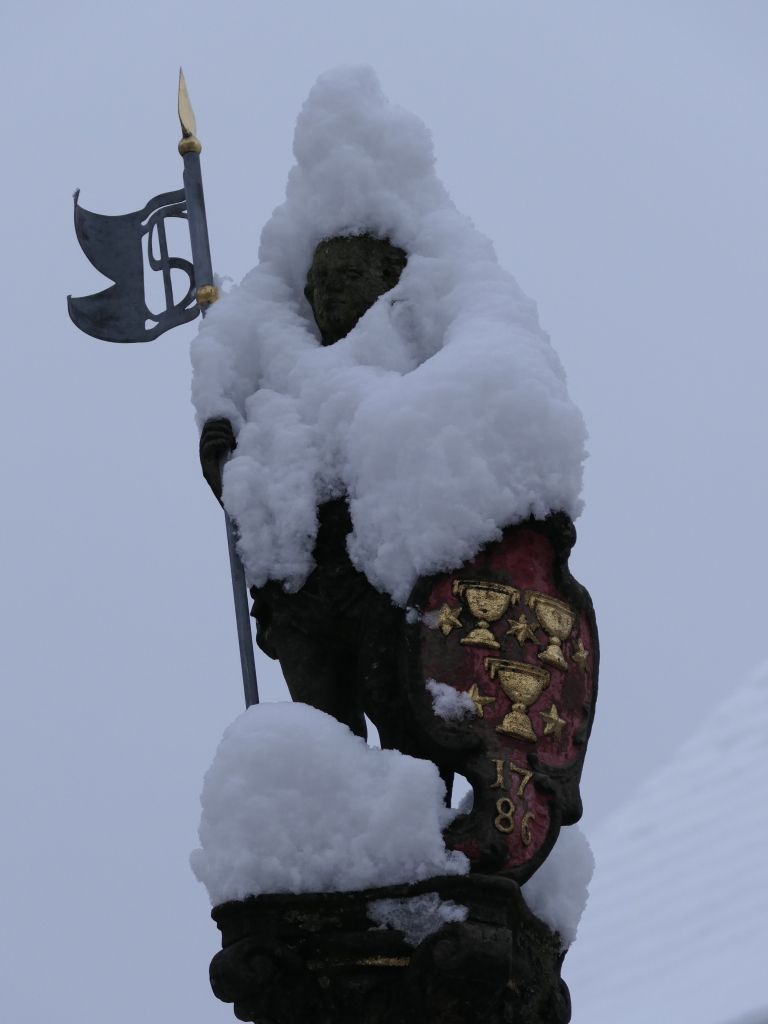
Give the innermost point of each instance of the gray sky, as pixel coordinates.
(615, 153)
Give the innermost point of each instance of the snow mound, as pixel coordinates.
(417, 916)
(443, 415)
(558, 893)
(294, 802)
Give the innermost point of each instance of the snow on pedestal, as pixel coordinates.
(558, 892)
(294, 802)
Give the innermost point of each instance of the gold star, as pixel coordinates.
(449, 619)
(478, 700)
(581, 655)
(553, 722)
(522, 630)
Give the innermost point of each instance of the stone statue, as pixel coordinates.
(334, 638)
(490, 674)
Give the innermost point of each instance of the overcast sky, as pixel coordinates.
(614, 152)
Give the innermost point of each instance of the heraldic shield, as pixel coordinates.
(515, 633)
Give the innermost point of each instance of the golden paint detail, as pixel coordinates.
(449, 619)
(186, 113)
(504, 820)
(580, 655)
(206, 293)
(523, 684)
(383, 961)
(478, 699)
(525, 776)
(366, 961)
(488, 602)
(522, 630)
(188, 144)
(557, 619)
(553, 723)
(499, 783)
(525, 828)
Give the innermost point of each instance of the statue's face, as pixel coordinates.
(347, 275)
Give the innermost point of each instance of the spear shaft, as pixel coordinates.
(242, 616)
(207, 293)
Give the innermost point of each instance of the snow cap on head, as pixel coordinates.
(443, 415)
(363, 164)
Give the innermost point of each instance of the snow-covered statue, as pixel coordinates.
(405, 468)
(334, 636)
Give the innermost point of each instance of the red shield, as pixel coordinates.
(516, 633)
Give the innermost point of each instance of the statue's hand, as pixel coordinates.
(216, 440)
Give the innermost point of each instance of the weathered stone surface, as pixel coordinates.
(348, 274)
(316, 959)
(337, 638)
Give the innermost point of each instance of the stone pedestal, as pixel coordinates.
(317, 958)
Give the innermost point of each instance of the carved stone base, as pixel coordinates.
(317, 958)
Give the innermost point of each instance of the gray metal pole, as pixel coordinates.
(242, 616)
(198, 224)
(206, 293)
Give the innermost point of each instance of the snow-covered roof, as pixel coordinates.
(676, 929)
(761, 1017)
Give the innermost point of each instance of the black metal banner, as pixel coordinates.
(114, 245)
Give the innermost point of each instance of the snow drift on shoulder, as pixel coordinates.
(443, 415)
(294, 802)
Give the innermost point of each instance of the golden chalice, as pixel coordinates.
(556, 618)
(487, 602)
(523, 684)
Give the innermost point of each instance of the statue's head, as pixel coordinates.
(347, 275)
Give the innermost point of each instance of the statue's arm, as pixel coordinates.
(217, 439)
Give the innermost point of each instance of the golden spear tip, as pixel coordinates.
(188, 144)
(186, 113)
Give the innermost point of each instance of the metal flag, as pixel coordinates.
(115, 246)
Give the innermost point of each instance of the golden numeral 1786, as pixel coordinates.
(525, 828)
(504, 820)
